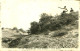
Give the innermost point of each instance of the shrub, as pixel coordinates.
(45, 22)
(48, 22)
(67, 19)
(14, 28)
(22, 30)
(2, 28)
(5, 39)
(14, 42)
(34, 27)
(59, 33)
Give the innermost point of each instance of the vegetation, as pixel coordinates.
(59, 31)
(48, 22)
(22, 30)
(14, 28)
(34, 27)
(2, 28)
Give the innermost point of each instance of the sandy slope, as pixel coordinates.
(70, 40)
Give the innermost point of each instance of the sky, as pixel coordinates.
(20, 13)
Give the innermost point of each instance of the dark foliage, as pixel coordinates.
(48, 22)
(2, 28)
(14, 42)
(6, 40)
(34, 27)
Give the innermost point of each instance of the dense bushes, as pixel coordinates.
(48, 22)
(45, 22)
(34, 27)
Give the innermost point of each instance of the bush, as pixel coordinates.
(45, 22)
(67, 19)
(5, 39)
(14, 42)
(59, 33)
(48, 22)
(2, 28)
(21, 30)
(15, 28)
(34, 27)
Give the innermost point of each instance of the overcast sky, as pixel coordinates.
(20, 13)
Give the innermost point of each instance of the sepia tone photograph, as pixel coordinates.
(39, 24)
